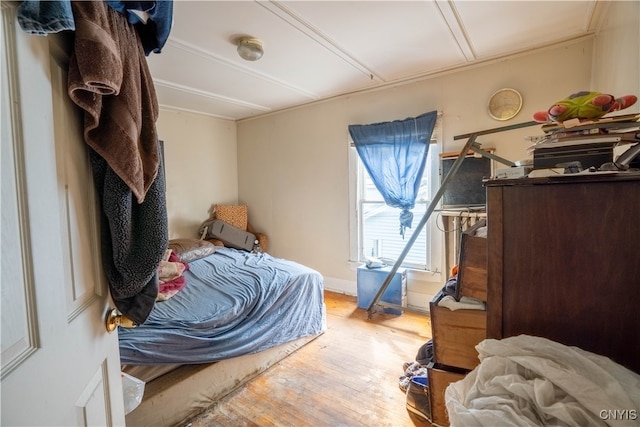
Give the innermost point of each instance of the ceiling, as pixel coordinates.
(315, 50)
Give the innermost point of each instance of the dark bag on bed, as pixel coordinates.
(231, 236)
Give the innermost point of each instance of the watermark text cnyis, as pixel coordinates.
(619, 414)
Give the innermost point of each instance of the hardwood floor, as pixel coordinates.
(346, 377)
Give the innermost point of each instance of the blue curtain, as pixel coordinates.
(394, 153)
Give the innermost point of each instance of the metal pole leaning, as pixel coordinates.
(432, 205)
(454, 168)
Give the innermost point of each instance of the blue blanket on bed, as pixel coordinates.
(234, 303)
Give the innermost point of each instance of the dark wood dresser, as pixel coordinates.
(564, 262)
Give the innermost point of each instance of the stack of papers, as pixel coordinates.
(611, 130)
(586, 143)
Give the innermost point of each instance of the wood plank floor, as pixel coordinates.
(346, 377)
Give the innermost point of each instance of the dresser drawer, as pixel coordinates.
(472, 264)
(439, 379)
(455, 335)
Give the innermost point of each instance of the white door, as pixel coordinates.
(59, 365)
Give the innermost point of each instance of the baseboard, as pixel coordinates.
(414, 299)
(341, 286)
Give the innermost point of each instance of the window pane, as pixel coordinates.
(380, 224)
(381, 234)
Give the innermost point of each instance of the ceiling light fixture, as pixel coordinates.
(250, 48)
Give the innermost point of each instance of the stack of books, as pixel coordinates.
(585, 143)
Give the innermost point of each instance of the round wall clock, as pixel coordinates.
(505, 104)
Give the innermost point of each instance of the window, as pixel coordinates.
(378, 228)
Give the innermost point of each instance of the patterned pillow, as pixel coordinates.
(170, 274)
(236, 215)
(189, 250)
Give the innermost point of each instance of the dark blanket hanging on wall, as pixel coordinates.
(110, 80)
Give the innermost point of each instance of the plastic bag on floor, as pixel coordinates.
(133, 390)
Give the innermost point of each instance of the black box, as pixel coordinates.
(588, 155)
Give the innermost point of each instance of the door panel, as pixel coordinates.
(19, 333)
(59, 366)
(79, 222)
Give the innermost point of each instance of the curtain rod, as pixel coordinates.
(431, 141)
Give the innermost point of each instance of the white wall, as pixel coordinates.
(616, 63)
(201, 167)
(293, 165)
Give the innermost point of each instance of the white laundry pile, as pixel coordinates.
(526, 380)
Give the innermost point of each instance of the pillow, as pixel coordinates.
(189, 250)
(236, 215)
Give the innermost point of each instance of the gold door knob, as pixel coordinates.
(114, 319)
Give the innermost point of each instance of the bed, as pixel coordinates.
(245, 309)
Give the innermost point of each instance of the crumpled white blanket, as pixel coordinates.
(533, 381)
